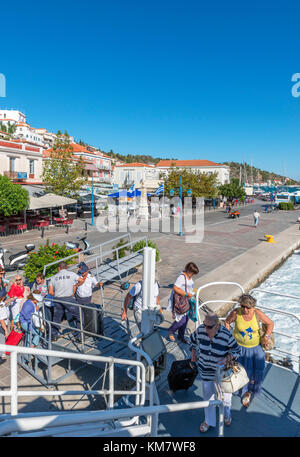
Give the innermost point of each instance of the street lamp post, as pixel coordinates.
(189, 192)
(93, 200)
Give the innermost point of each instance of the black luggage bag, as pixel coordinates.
(182, 374)
(93, 320)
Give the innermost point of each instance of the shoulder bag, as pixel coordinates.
(262, 332)
(181, 303)
(233, 378)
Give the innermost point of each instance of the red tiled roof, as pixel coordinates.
(10, 145)
(188, 163)
(135, 164)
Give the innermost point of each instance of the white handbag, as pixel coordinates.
(233, 378)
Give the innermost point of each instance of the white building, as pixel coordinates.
(12, 116)
(21, 162)
(203, 166)
(36, 136)
(135, 173)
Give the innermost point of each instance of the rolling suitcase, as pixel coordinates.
(93, 320)
(14, 339)
(182, 374)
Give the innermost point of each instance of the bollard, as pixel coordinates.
(269, 238)
(43, 231)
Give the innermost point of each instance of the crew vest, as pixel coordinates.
(246, 333)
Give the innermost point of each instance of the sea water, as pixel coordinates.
(284, 280)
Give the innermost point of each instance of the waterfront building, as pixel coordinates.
(21, 162)
(97, 166)
(204, 166)
(127, 174)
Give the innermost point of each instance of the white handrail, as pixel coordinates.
(14, 393)
(33, 423)
(216, 283)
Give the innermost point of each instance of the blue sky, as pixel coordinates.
(184, 79)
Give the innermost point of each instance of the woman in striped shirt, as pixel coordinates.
(212, 345)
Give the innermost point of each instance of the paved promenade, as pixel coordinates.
(232, 250)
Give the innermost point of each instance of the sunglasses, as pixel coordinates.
(243, 306)
(209, 327)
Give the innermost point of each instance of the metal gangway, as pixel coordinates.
(112, 339)
(106, 262)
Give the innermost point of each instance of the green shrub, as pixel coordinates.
(121, 252)
(142, 244)
(286, 206)
(47, 254)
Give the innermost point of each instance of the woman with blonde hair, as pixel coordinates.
(17, 294)
(246, 333)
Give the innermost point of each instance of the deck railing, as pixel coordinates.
(277, 350)
(14, 393)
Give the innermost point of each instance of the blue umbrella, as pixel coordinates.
(135, 193)
(122, 193)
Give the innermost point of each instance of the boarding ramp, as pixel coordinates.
(103, 335)
(107, 262)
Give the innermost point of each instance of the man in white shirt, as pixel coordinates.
(256, 215)
(135, 295)
(61, 285)
(83, 289)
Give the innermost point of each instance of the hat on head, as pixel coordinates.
(83, 267)
(38, 297)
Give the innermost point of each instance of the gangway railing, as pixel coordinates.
(99, 259)
(14, 393)
(46, 340)
(54, 423)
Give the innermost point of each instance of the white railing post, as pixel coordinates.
(14, 383)
(111, 385)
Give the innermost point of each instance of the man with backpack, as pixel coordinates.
(134, 300)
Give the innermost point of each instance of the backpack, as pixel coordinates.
(133, 299)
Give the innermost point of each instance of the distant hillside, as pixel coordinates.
(258, 174)
(136, 158)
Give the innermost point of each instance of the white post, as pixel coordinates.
(14, 383)
(148, 289)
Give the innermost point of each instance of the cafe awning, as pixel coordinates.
(49, 201)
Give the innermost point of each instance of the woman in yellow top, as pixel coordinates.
(246, 333)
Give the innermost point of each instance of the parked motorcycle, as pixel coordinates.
(85, 244)
(15, 261)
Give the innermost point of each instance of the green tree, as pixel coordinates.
(13, 197)
(63, 174)
(232, 190)
(201, 184)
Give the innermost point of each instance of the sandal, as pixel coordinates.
(171, 337)
(246, 399)
(228, 421)
(204, 427)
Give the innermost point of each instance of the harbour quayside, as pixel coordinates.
(131, 396)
